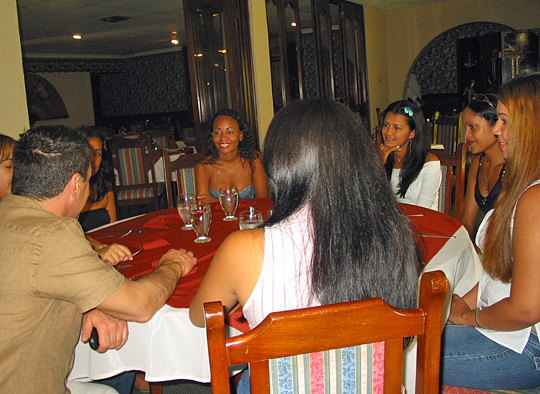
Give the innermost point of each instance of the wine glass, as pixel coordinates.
(250, 219)
(184, 203)
(201, 219)
(228, 198)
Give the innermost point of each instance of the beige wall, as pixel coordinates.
(261, 67)
(13, 112)
(377, 62)
(76, 92)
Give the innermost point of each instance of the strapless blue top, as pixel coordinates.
(248, 192)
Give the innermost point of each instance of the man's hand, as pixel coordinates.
(113, 333)
(182, 259)
(114, 253)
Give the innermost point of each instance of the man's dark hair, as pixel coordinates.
(45, 159)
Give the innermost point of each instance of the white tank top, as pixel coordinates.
(491, 291)
(283, 282)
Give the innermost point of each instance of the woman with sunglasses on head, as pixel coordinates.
(491, 341)
(487, 169)
(414, 172)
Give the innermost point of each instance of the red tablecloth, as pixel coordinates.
(161, 231)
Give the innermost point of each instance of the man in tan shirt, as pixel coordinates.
(49, 274)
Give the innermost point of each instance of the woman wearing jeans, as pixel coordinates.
(493, 342)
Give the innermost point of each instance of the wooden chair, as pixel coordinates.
(180, 171)
(446, 132)
(134, 164)
(303, 331)
(452, 191)
(161, 139)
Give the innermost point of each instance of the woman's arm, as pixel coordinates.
(202, 183)
(430, 178)
(232, 275)
(522, 308)
(470, 207)
(111, 206)
(259, 178)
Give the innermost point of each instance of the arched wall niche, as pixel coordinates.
(435, 67)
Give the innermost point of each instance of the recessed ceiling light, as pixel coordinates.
(77, 36)
(174, 41)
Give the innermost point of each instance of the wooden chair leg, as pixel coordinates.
(156, 388)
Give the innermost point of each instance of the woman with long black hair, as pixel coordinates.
(414, 172)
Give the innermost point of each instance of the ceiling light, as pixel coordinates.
(174, 41)
(293, 24)
(222, 50)
(77, 36)
(174, 32)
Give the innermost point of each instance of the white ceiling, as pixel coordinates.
(47, 26)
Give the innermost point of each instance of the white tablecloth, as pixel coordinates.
(169, 347)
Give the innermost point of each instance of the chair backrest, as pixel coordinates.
(338, 326)
(446, 132)
(161, 139)
(452, 191)
(182, 171)
(134, 166)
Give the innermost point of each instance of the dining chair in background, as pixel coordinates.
(134, 165)
(452, 190)
(161, 139)
(180, 175)
(446, 132)
(283, 349)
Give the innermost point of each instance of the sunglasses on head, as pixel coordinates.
(483, 98)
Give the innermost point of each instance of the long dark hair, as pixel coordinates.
(318, 154)
(247, 148)
(418, 146)
(102, 181)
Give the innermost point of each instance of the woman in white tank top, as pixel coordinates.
(493, 343)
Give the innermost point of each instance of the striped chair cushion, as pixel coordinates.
(131, 166)
(463, 390)
(135, 194)
(357, 369)
(186, 180)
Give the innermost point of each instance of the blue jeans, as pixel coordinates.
(470, 359)
(123, 383)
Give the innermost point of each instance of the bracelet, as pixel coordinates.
(476, 317)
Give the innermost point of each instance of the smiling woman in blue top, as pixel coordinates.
(231, 160)
(414, 172)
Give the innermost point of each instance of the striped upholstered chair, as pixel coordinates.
(180, 175)
(134, 166)
(352, 347)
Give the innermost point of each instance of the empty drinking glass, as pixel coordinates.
(228, 198)
(251, 219)
(201, 219)
(184, 203)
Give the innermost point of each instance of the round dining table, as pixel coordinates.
(169, 347)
